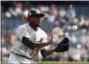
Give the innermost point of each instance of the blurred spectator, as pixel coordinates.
(71, 12)
(10, 12)
(18, 9)
(82, 20)
(49, 21)
(44, 9)
(25, 13)
(62, 12)
(84, 55)
(57, 31)
(52, 15)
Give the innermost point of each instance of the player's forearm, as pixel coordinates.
(46, 53)
(40, 44)
(33, 45)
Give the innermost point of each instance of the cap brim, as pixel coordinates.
(39, 15)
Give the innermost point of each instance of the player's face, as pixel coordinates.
(35, 20)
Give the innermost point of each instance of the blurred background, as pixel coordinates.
(70, 19)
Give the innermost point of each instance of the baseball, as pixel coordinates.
(74, 27)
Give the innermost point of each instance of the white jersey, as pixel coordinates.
(27, 31)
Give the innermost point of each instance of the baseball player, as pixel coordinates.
(31, 40)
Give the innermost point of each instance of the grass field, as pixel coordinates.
(50, 62)
(64, 63)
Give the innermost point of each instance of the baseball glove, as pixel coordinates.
(63, 45)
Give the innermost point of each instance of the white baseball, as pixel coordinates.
(74, 27)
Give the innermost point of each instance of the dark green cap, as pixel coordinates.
(35, 12)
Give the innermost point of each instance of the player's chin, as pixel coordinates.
(37, 27)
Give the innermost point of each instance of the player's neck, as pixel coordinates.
(33, 26)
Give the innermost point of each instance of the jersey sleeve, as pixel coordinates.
(22, 32)
(42, 36)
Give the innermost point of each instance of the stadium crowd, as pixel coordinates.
(61, 20)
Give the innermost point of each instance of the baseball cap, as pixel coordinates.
(35, 12)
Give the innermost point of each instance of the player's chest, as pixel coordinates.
(32, 34)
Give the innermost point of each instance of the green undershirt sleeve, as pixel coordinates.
(28, 42)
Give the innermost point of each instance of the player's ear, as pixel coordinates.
(30, 17)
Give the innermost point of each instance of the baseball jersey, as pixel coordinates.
(27, 31)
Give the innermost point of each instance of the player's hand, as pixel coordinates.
(50, 39)
(63, 46)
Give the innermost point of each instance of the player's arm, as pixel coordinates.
(46, 53)
(62, 47)
(25, 37)
(31, 44)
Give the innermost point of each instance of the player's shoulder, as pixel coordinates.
(22, 27)
(41, 31)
